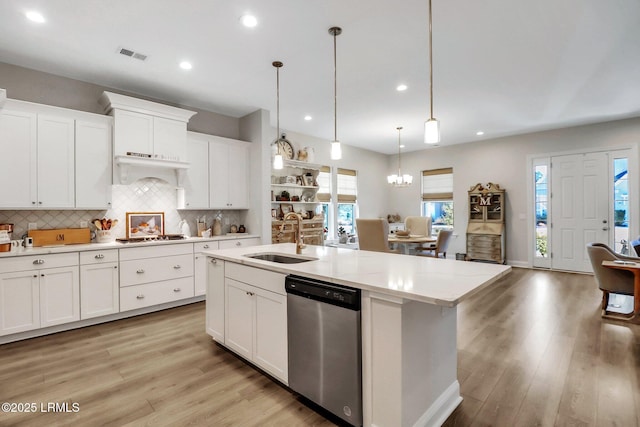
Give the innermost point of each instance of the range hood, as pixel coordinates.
(129, 168)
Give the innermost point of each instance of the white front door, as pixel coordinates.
(579, 206)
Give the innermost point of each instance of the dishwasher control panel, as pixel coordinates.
(330, 293)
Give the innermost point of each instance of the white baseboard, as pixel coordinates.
(444, 406)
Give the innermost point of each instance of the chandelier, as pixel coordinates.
(399, 180)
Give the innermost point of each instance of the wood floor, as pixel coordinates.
(533, 351)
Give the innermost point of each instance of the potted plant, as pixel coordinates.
(342, 235)
(284, 196)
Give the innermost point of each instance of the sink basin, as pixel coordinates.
(281, 258)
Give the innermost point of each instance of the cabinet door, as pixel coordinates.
(219, 178)
(239, 317)
(19, 302)
(132, 132)
(200, 274)
(170, 139)
(93, 165)
(18, 137)
(196, 181)
(270, 335)
(99, 290)
(238, 192)
(56, 162)
(215, 299)
(59, 296)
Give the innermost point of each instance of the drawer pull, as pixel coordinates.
(177, 267)
(99, 256)
(238, 244)
(140, 271)
(38, 261)
(176, 289)
(140, 296)
(250, 294)
(206, 246)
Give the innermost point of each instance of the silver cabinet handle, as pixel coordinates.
(140, 296)
(38, 261)
(250, 293)
(214, 261)
(176, 289)
(238, 243)
(33, 203)
(99, 256)
(140, 271)
(177, 267)
(206, 246)
(39, 203)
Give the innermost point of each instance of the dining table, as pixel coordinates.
(410, 241)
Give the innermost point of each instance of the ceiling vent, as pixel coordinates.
(132, 54)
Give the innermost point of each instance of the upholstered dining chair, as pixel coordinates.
(418, 225)
(610, 280)
(373, 235)
(439, 247)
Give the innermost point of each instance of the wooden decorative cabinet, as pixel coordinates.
(486, 231)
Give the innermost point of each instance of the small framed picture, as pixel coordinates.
(274, 213)
(300, 180)
(308, 180)
(142, 224)
(286, 208)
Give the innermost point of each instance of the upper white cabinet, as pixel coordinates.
(18, 136)
(93, 163)
(196, 180)
(56, 165)
(228, 174)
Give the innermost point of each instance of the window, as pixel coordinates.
(541, 188)
(324, 196)
(437, 197)
(347, 192)
(621, 205)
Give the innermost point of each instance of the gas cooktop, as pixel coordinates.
(152, 238)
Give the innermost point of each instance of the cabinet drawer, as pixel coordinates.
(149, 294)
(239, 243)
(486, 244)
(480, 253)
(483, 238)
(32, 262)
(155, 251)
(140, 271)
(205, 246)
(264, 279)
(99, 257)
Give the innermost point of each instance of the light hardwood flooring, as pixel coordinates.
(532, 351)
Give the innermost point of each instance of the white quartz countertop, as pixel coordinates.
(44, 250)
(436, 281)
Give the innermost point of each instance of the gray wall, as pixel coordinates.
(43, 88)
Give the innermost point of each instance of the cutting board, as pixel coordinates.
(60, 236)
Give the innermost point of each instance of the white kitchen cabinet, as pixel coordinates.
(215, 299)
(38, 291)
(196, 180)
(18, 136)
(170, 138)
(59, 296)
(56, 162)
(256, 319)
(93, 163)
(19, 302)
(132, 132)
(228, 174)
(200, 265)
(99, 283)
(239, 243)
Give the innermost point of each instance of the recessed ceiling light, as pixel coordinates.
(307, 118)
(401, 88)
(402, 146)
(480, 133)
(185, 65)
(34, 16)
(249, 21)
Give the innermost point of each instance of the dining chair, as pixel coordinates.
(418, 225)
(610, 280)
(439, 247)
(373, 235)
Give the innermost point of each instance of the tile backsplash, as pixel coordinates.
(144, 195)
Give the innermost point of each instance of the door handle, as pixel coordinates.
(605, 228)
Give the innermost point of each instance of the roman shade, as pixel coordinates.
(324, 185)
(347, 185)
(437, 184)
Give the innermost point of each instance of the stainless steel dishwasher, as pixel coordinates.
(325, 346)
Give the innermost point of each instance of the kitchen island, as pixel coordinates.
(409, 318)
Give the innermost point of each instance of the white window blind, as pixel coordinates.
(324, 185)
(347, 186)
(437, 184)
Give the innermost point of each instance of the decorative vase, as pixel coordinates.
(241, 229)
(217, 227)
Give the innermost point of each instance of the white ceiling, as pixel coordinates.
(501, 66)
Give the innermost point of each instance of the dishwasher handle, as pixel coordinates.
(330, 293)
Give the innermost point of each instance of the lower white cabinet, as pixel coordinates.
(256, 325)
(99, 284)
(38, 298)
(148, 294)
(239, 243)
(215, 299)
(200, 266)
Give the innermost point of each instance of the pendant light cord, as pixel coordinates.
(430, 65)
(278, 65)
(399, 170)
(335, 88)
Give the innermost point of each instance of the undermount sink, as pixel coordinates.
(281, 258)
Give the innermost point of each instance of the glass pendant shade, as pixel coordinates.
(400, 179)
(278, 163)
(432, 131)
(336, 150)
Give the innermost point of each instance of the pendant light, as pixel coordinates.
(336, 150)
(399, 180)
(432, 125)
(278, 163)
